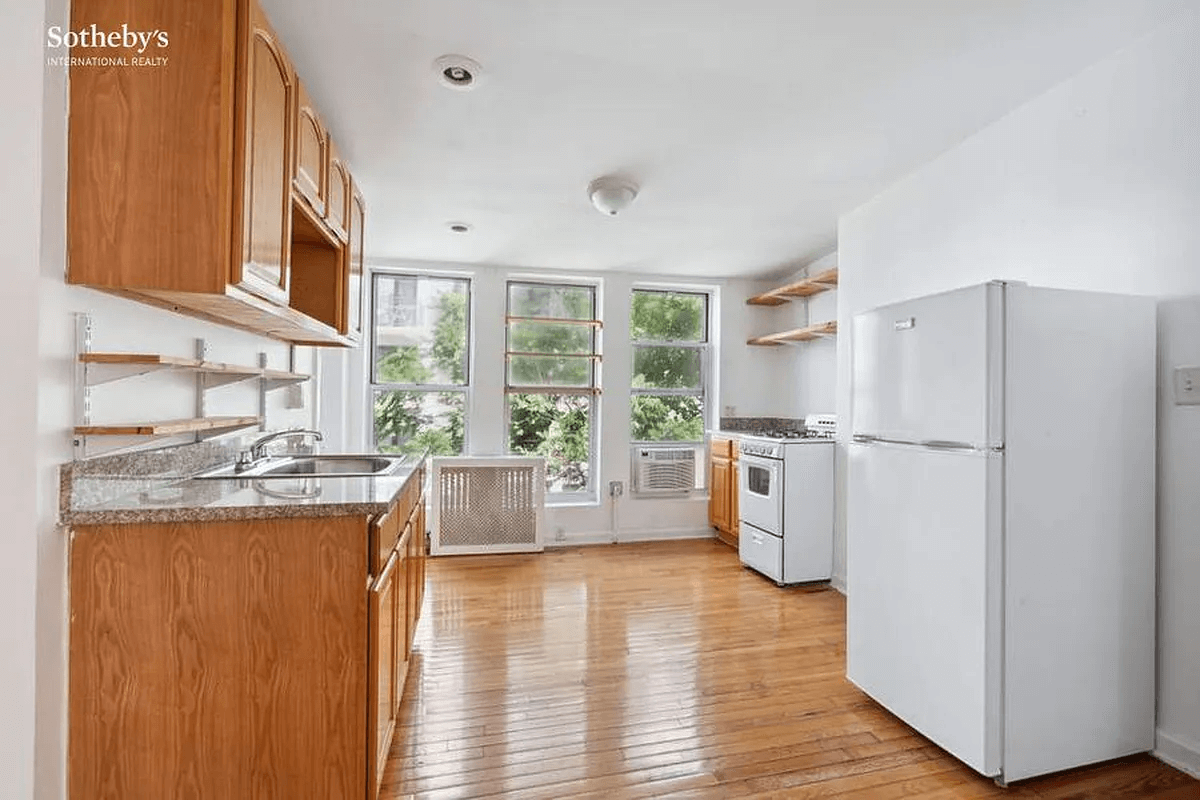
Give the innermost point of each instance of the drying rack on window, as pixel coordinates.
(93, 369)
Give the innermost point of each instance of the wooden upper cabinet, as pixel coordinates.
(312, 154)
(266, 141)
(186, 181)
(353, 324)
(337, 193)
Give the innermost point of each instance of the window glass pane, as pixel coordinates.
(411, 422)
(667, 419)
(420, 330)
(557, 427)
(668, 317)
(549, 371)
(546, 300)
(546, 337)
(666, 368)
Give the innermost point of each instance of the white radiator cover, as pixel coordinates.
(487, 505)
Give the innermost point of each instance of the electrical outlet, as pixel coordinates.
(615, 489)
(560, 534)
(1187, 386)
(731, 411)
(295, 396)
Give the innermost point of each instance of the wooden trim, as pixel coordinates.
(169, 427)
(820, 330)
(593, 356)
(556, 321)
(565, 390)
(821, 282)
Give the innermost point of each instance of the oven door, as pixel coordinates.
(760, 493)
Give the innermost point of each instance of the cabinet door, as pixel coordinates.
(718, 493)
(352, 326)
(337, 193)
(267, 163)
(312, 153)
(734, 526)
(383, 616)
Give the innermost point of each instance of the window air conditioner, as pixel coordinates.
(664, 470)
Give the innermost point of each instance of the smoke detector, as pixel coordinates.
(611, 195)
(458, 72)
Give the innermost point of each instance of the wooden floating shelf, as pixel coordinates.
(169, 427)
(821, 282)
(145, 362)
(818, 331)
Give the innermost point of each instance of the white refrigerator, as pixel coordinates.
(1001, 523)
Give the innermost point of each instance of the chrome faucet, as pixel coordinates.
(258, 451)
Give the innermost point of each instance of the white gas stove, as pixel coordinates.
(785, 501)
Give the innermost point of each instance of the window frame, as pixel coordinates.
(591, 494)
(705, 348)
(374, 385)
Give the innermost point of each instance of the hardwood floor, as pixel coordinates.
(666, 670)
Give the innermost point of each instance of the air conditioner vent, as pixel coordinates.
(664, 470)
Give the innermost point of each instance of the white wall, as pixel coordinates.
(1094, 185)
(1179, 539)
(20, 154)
(118, 325)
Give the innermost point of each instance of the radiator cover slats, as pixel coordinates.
(487, 505)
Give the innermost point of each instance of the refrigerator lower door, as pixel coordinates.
(923, 607)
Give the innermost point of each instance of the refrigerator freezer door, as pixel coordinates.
(923, 595)
(923, 369)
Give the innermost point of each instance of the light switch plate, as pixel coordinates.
(1187, 386)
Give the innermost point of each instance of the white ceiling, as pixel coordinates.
(749, 124)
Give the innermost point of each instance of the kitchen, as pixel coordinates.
(1103, 204)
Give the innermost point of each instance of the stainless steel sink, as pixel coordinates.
(333, 466)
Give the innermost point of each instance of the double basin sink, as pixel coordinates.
(314, 466)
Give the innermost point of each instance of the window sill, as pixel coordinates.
(582, 502)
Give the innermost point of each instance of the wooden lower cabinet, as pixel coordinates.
(723, 489)
(238, 659)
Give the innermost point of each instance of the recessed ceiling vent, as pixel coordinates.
(458, 72)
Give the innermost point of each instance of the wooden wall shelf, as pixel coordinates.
(819, 331)
(169, 427)
(821, 282)
(140, 363)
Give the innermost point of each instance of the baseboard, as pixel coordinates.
(1178, 753)
(839, 582)
(632, 535)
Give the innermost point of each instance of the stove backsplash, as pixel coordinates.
(760, 424)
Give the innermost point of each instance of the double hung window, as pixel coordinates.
(552, 367)
(669, 333)
(420, 370)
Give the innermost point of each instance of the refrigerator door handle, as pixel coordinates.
(940, 444)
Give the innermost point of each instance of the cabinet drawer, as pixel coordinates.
(761, 551)
(385, 532)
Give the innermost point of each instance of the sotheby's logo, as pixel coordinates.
(119, 48)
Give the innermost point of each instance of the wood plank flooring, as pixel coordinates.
(666, 670)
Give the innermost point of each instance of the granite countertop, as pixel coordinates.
(133, 495)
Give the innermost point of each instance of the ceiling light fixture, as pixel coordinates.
(611, 195)
(458, 72)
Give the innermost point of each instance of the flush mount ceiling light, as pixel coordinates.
(611, 195)
(458, 72)
(458, 227)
